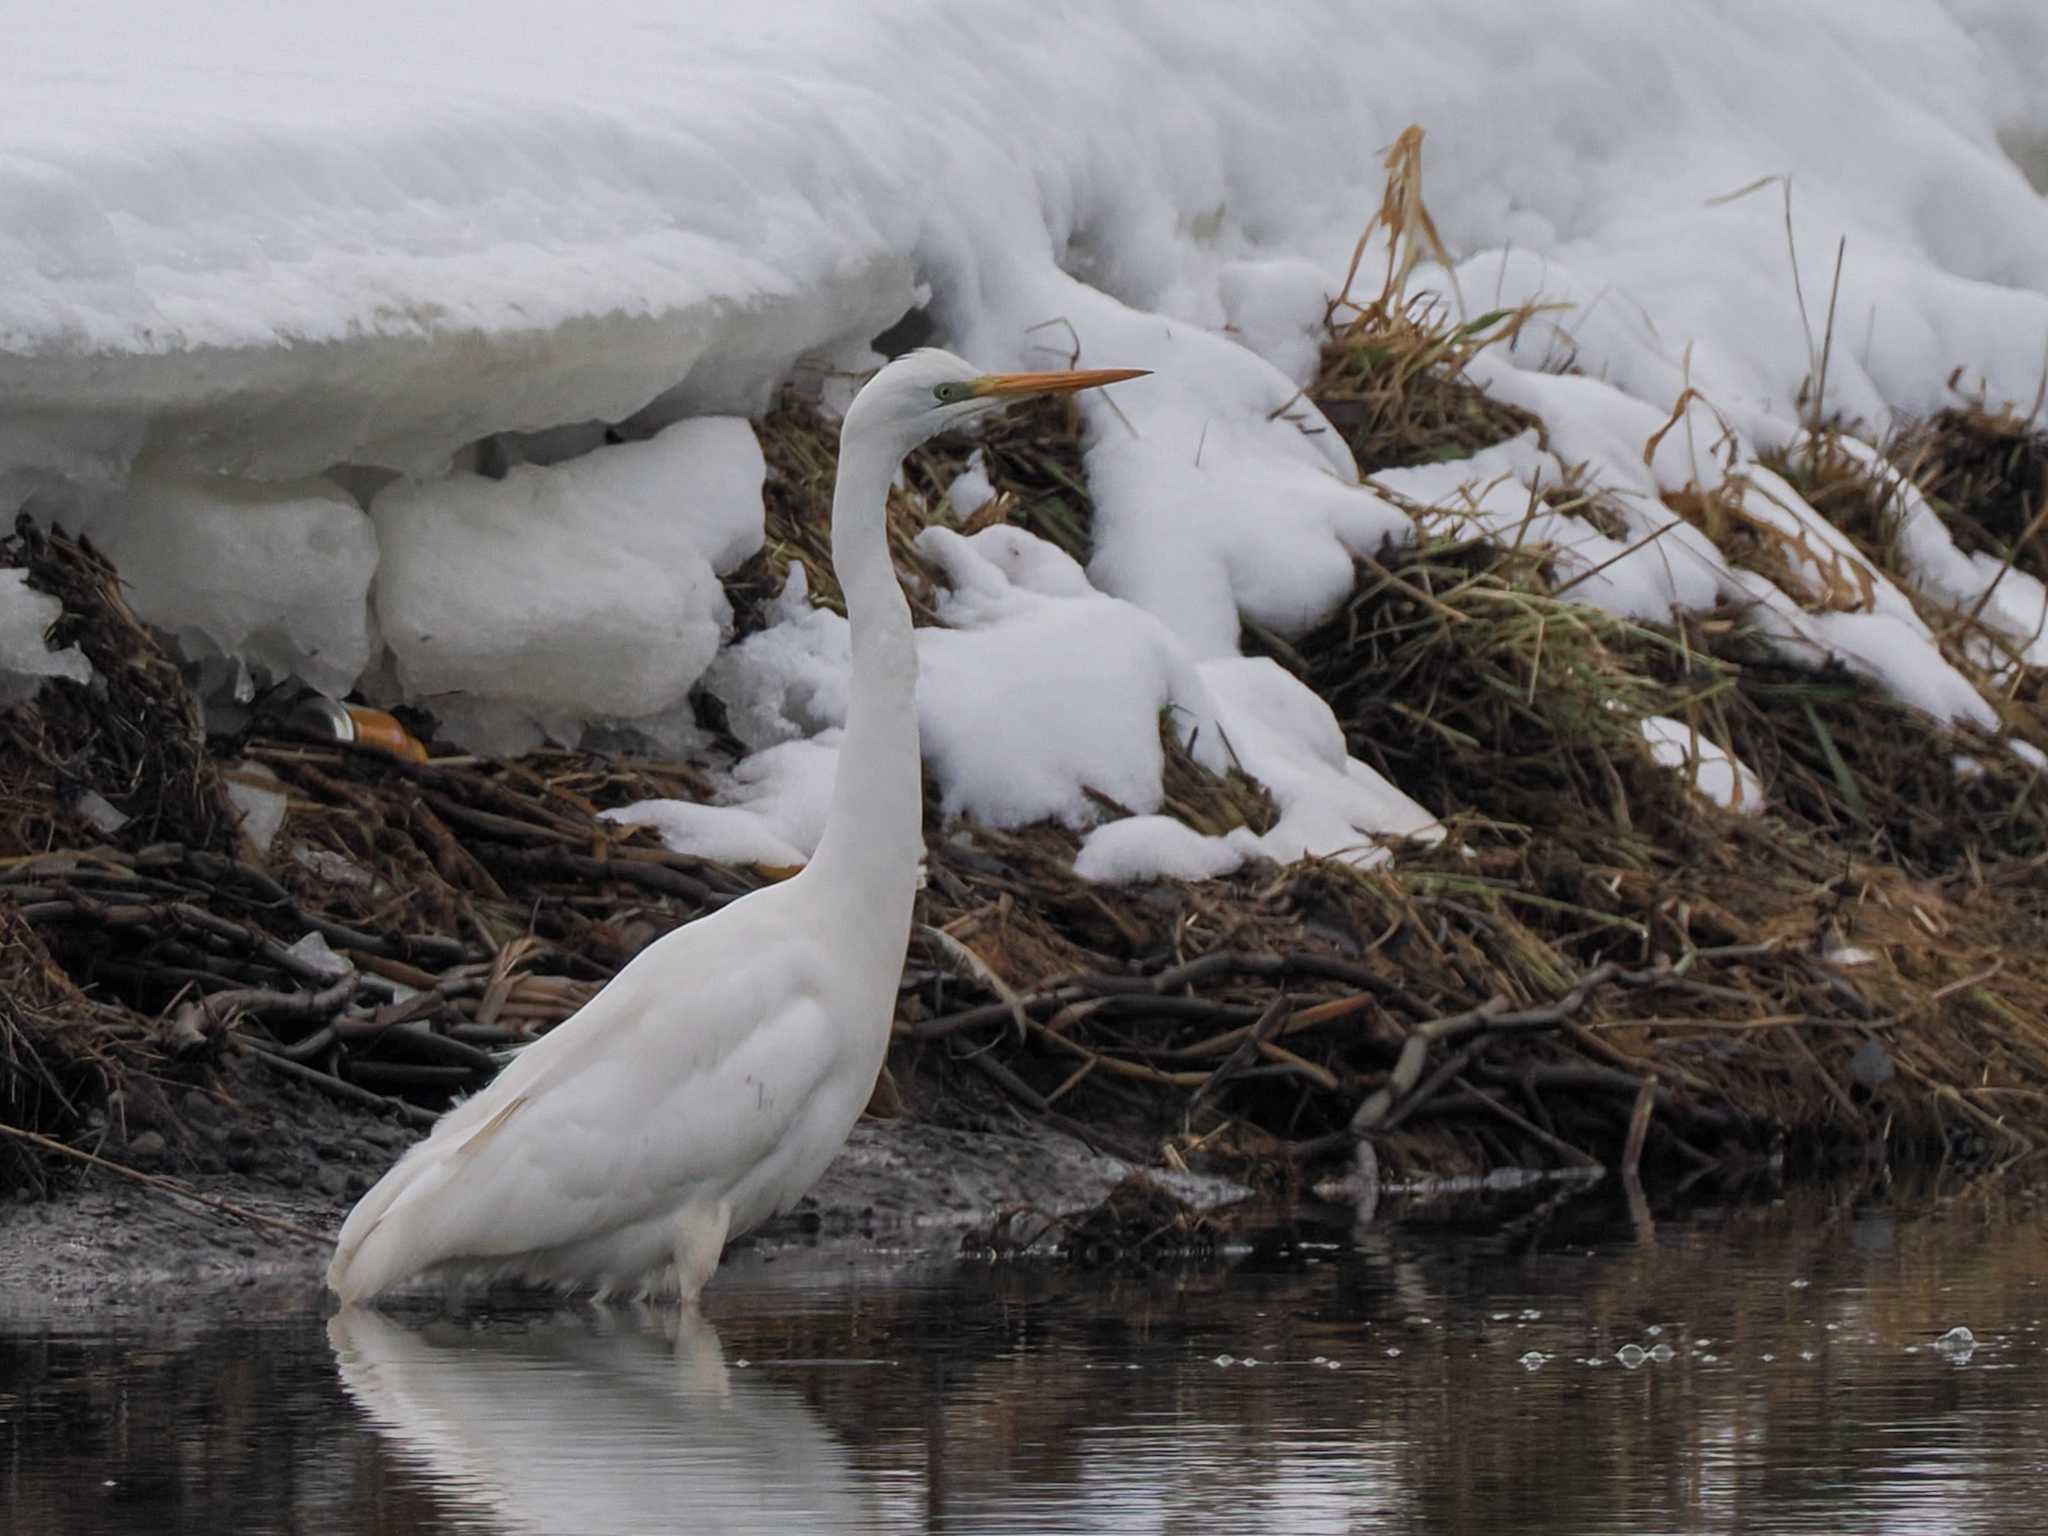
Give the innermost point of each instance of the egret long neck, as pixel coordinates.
(875, 837)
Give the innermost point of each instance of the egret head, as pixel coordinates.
(929, 391)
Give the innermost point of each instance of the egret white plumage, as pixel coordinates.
(711, 1082)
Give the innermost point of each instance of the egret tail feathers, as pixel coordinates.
(380, 1244)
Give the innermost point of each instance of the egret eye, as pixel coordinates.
(948, 393)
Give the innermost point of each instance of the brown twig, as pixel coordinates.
(164, 1186)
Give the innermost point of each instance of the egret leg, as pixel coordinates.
(700, 1358)
(700, 1239)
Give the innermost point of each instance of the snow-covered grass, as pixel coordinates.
(416, 352)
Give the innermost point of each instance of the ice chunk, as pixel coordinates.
(260, 800)
(1044, 689)
(1276, 729)
(316, 952)
(100, 811)
(772, 808)
(971, 489)
(1715, 772)
(25, 657)
(787, 681)
(275, 577)
(585, 590)
(1159, 847)
(338, 868)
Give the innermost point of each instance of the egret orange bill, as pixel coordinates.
(1053, 383)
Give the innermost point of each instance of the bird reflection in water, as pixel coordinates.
(596, 1422)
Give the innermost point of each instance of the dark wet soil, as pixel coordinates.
(269, 1148)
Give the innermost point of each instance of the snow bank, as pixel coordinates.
(245, 245)
(269, 239)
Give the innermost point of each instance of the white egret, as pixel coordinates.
(709, 1085)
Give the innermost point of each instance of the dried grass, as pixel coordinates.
(1986, 471)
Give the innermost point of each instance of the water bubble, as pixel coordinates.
(1533, 1361)
(1594, 1361)
(741, 1365)
(1330, 1365)
(1317, 1359)
(1663, 1354)
(1226, 1360)
(1800, 1285)
(1767, 1357)
(1710, 1359)
(1531, 1314)
(1393, 1351)
(1631, 1355)
(1958, 1344)
(1501, 1317)
(1806, 1354)
(1832, 1327)
(1653, 1330)
(1418, 1322)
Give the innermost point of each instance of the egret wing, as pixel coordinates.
(679, 1074)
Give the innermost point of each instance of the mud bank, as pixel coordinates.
(902, 1190)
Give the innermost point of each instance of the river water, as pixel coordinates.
(1564, 1366)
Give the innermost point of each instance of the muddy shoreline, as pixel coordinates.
(97, 1240)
